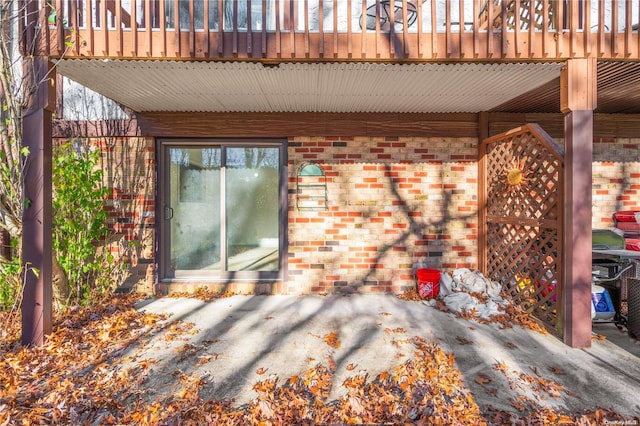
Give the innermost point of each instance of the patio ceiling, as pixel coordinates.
(181, 86)
(618, 93)
(164, 86)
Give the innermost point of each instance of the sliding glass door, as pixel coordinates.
(222, 207)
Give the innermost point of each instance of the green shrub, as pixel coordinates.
(10, 282)
(79, 221)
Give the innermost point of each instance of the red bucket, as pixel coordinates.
(428, 283)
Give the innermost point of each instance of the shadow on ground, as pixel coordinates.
(232, 343)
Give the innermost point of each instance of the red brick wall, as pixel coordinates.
(128, 166)
(394, 204)
(616, 178)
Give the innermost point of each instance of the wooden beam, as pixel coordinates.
(578, 90)
(578, 85)
(162, 124)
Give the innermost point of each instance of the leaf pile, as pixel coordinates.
(89, 371)
(512, 314)
(202, 293)
(73, 377)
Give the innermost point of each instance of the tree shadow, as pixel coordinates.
(239, 341)
(417, 226)
(237, 336)
(128, 166)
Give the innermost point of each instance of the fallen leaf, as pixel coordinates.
(261, 370)
(332, 340)
(463, 341)
(500, 366)
(332, 364)
(351, 366)
(483, 379)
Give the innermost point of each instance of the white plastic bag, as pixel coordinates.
(446, 285)
(456, 302)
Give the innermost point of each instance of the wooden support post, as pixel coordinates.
(577, 102)
(36, 225)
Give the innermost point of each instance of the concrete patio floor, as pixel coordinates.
(241, 335)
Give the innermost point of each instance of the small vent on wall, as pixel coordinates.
(311, 187)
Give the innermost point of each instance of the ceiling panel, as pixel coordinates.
(308, 87)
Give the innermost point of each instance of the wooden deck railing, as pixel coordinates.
(311, 30)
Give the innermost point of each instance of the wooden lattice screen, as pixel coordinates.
(522, 219)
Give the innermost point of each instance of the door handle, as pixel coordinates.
(168, 213)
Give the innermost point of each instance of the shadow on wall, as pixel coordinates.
(128, 172)
(404, 218)
(419, 225)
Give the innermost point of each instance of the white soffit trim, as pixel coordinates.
(308, 87)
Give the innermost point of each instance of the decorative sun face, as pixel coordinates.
(515, 176)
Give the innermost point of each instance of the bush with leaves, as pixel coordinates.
(10, 282)
(79, 222)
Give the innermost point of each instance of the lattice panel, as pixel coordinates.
(524, 261)
(536, 197)
(523, 213)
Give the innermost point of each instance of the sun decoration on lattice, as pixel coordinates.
(515, 176)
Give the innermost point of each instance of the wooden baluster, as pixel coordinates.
(503, 29)
(627, 29)
(292, 27)
(249, 30)
(434, 31)
(118, 30)
(419, 37)
(306, 29)
(278, 30)
(490, 35)
(377, 29)
(264, 28)
(147, 26)
(104, 27)
(614, 29)
(601, 27)
(476, 28)
(363, 24)
(134, 29)
(234, 42)
(204, 44)
(335, 28)
(392, 27)
(192, 30)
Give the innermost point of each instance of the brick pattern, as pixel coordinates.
(394, 205)
(129, 173)
(616, 178)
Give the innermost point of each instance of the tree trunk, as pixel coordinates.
(5, 244)
(61, 291)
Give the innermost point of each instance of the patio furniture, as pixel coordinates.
(618, 270)
(524, 14)
(628, 221)
(387, 17)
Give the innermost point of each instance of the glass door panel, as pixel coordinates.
(251, 194)
(193, 208)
